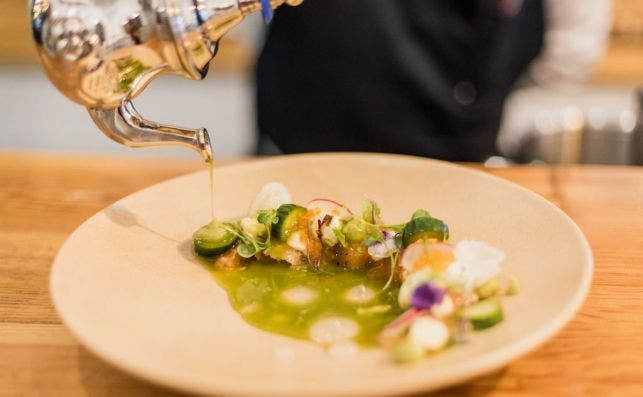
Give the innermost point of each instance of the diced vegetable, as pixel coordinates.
(252, 227)
(514, 286)
(355, 230)
(288, 217)
(429, 333)
(483, 314)
(488, 289)
(213, 239)
(353, 256)
(407, 351)
(424, 229)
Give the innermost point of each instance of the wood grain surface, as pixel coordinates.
(43, 198)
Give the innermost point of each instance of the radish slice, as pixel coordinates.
(328, 206)
(395, 329)
(423, 254)
(271, 196)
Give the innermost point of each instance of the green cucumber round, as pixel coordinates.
(213, 239)
(424, 228)
(288, 217)
(483, 314)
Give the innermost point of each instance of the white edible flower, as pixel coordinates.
(271, 196)
(429, 333)
(475, 263)
(412, 281)
(380, 250)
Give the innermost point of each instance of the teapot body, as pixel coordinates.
(98, 51)
(103, 53)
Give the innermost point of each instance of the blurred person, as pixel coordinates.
(419, 77)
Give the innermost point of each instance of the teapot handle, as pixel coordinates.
(126, 126)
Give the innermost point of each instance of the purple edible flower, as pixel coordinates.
(426, 295)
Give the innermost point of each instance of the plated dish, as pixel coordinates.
(345, 279)
(129, 286)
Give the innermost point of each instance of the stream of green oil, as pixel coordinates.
(256, 292)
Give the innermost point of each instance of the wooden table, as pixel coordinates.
(44, 197)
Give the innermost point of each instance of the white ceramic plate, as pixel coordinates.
(127, 284)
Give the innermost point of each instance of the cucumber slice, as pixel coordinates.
(483, 314)
(424, 228)
(288, 216)
(213, 239)
(420, 214)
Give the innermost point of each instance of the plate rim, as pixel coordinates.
(480, 365)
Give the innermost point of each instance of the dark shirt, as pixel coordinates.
(422, 77)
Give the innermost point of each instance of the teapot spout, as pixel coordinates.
(126, 126)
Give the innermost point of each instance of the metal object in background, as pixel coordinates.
(571, 136)
(103, 53)
(637, 139)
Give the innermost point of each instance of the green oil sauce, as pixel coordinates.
(262, 294)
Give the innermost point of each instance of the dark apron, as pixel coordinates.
(422, 77)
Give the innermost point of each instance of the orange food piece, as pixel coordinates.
(436, 255)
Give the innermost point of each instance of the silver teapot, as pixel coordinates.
(103, 53)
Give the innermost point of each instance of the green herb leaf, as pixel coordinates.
(371, 212)
(267, 217)
(341, 237)
(246, 250)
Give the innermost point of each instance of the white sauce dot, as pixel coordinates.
(343, 350)
(360, 294)
(299, 296)
(330, 330)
